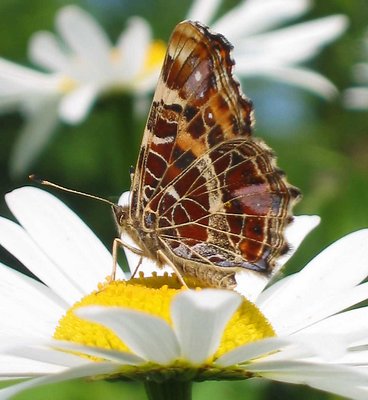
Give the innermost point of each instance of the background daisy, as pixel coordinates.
(357, 97)
(81, 64)
(262, 50)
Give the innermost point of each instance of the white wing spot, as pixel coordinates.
(198, 76)
(173, 193)
(157, 140)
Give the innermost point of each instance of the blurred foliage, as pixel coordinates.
(322, 146)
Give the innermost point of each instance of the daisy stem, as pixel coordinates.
(169, 390)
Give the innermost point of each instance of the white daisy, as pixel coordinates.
(82, 64)
(261, 50)
(296, 331)
(357, 97)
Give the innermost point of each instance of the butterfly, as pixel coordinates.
(206, 197)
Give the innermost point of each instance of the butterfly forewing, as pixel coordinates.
(196, 105)
(205, 192)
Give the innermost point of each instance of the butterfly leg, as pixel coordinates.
(137, 268)
(163, 258)
(115, 246)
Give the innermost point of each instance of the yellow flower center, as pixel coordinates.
(154, 296)
(153, 61)
(155, 56)
(67, 84)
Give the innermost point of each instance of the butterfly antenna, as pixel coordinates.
(35, 178)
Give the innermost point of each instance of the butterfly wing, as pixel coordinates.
(196, 105)
(209, 190)
(228, 209)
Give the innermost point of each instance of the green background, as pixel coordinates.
(322, 147)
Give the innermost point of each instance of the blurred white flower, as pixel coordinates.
(300, 330)
(82, 64)
(357, 97)
(262, 50)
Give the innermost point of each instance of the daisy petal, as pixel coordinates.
(326, 346)
(336, 379)
(133, 45)
(12, 367)
(318, 310)
(23, 298)
(343, 387)
(250, 284)
(355, 358)
(356, 98)
(12, 279)
(45, 50)
(86, 370)
(250, 351)
(312, 287)
(295, 233)
(293, 44)
(16, 240)
(75, 106)
(15, 76)
(350, 250)
(306, 79)
(350, 324)
(203, 10)
(121, 357)
(360, 72)
(66, 240)
(84, 36)
(301, 77)
(253, 16)
(35, 135)
(50, 356)
(132, 327)
(9, 102)
(272, 290)
(199, 319)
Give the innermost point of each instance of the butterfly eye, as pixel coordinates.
(120, 214)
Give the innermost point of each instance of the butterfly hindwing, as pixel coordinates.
(224, 210)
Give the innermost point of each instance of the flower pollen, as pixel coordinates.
(132, 294)
(246, 325)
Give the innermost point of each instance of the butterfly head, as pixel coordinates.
(120, 215)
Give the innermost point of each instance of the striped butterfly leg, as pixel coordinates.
(115, 246)
(164, 259)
